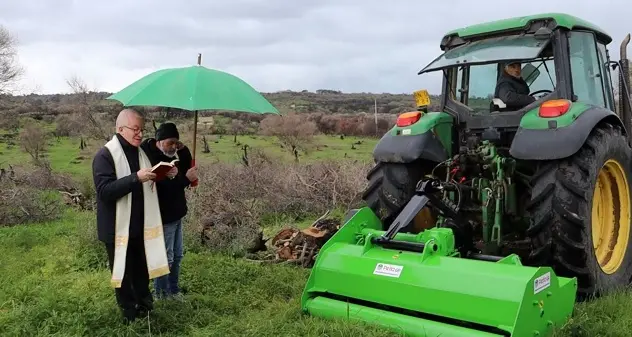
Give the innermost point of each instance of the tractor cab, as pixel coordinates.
(513, 69)
(475, 71)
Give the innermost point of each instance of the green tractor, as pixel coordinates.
(491, 215)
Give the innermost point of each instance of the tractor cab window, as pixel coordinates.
(543, 76)
(586, 69)
(479, 91)
(604, 58)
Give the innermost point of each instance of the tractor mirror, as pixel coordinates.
(530, 73)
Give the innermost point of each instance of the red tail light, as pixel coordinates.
(554, 108)
(408, 118)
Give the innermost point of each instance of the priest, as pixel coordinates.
(128, 216)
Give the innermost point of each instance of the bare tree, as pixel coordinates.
(237, 127)
(292, 130)
(10, 70)
(80, 88)
(33, 140)
(97, 127)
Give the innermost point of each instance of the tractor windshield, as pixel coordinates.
(503, 73)
(504, 48)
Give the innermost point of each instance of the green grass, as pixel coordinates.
(54, 281)
(54, 278)
(323, 147)
(65, 156)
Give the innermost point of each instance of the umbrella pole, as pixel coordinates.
(195, 123)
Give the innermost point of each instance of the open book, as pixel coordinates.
(162, 168)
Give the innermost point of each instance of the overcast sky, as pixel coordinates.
(353, 46)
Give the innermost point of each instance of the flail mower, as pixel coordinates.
(484, 216)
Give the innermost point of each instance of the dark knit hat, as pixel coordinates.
(167, 130)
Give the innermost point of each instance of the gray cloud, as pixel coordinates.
(374, 46)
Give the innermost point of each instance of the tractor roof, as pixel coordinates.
(523, 22)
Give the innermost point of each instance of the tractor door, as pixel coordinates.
(590, 74)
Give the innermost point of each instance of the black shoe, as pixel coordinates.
(129, 315)
(144, 310)
(142, 313)
(145, 305)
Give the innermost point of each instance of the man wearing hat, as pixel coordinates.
(512, 89)
(166, 146)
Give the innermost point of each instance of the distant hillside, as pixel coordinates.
(321, 101)
(327, 111)
(329, 101)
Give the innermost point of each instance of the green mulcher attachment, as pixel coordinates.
(431, 283)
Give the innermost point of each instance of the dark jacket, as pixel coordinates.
(513, 91)
(171, 195)
(109, 190)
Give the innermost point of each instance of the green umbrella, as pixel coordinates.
(194, 88)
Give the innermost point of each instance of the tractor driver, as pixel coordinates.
(512, 89)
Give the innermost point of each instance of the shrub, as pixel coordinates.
(231, 199)
(292, 130)
(31, 195)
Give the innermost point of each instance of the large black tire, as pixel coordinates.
(391, 186)
(561, 212)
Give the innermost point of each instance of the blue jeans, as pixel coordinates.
(168, 284)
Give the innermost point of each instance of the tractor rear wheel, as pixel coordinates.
(391, 186)
(580, 214)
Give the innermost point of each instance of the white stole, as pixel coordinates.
(155, 251)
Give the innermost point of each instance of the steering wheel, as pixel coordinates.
(547, 91)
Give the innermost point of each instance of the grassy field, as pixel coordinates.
(65, 155)
(54, 280)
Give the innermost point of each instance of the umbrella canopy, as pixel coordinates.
(194, 88)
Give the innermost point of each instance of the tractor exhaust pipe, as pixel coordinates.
(625, 108)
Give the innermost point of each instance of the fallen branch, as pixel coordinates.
(294, 246)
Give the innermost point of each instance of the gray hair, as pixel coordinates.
(125, 115)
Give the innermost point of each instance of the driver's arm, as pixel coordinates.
(510, 97)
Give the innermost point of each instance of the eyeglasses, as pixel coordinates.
(136, 130)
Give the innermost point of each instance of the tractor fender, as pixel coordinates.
(409, 148)
(556, 143)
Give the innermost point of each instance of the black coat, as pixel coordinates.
(109, 190)
(171, 194)
(513, 91)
